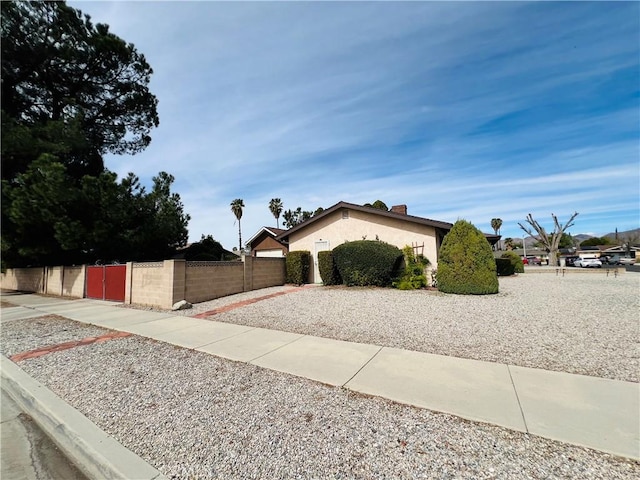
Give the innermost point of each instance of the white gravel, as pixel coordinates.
(195, 416)
(585, 323)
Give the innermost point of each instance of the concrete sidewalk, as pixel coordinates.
(593, 412)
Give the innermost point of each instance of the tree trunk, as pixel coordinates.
(239, 238)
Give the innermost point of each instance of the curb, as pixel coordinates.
(94, 452)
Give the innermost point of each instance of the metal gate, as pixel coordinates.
(106, 282)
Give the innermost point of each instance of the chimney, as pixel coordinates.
(401, 209)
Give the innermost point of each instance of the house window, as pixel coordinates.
(345, 214)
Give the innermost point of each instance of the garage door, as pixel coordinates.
(269, 253)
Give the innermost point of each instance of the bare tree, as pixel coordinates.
(550, 241)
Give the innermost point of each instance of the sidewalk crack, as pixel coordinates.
(362, 367)
(526, 427)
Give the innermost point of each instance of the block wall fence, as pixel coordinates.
(158, 284)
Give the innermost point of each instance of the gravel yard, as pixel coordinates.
(585, 323)
(192, 415)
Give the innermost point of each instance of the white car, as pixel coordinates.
(587, 263)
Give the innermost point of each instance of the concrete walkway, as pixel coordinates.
(593, 412)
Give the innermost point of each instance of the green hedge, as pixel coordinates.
(504, 267)
(516, 261)
(466, 264)
(297, 265)
(367, 262)
(328, 270)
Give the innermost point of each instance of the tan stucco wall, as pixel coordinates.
(338, 230)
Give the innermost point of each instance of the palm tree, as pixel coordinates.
(236, 207)
(496, 223)
(275, 205)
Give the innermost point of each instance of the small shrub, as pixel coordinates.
(516, 261)
(367, 262)
(466, 264)
(328, 270)
(504, 267)
(413, 276)
(297, 265)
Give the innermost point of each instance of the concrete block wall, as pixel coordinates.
(24, 279)
(268, 272)
(73, 281)
(53, 284)
(159, 284)
(149, 283)
(208, 280)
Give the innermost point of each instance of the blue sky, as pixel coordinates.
(458, 110)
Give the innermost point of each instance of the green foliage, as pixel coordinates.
(52, 219)
(595, 241)
(516, 261)
(297, 264)
(367, 262)
(379, 204)
(504, 267)
(69, 88)
(72, 92)
(208, 249)
(413, 276)
(466, 265)
(328, 270)
(566, 241)
(275, 207)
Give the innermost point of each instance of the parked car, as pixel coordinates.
(525, 261)
(569, 261)
(532, 260)
(587, 263)
(617, 260)
(627, 261)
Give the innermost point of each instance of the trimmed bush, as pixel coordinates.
(413, 276)
(466, 264)
(367, 262)
(504, 267)
(297, 265)
(328, 270)
(516, 261)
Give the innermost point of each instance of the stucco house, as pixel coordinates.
(348, 222)
(265, 244)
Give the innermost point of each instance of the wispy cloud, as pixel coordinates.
(460, 110)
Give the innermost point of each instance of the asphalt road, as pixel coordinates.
(26, 453)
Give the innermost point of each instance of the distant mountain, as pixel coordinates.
(632, 234)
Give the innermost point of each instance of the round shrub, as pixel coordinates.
(297, 266)
(466, 264)
(515, 260)
(367, 262)
(328, 270)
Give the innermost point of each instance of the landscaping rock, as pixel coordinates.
(181, 305)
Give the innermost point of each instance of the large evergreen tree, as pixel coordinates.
(70, 88)
(72, 92)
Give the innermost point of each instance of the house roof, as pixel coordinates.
(376, 211)
(273, 231)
